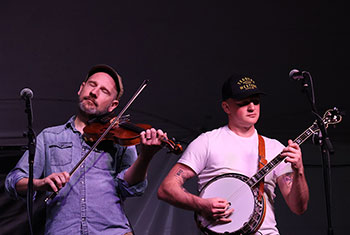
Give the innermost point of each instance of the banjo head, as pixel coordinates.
(243, 200)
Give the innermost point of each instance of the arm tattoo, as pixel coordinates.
(288, 179)
(179, 172)
(182, 176)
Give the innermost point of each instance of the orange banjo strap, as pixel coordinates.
(262, 163)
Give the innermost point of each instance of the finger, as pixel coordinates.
(224, 206)
(161, 136)
(149, 134)
(287, 150)
(229, 212)
(57, 181)
(222, 217)
(51, 184)
(153, 139)
(67, 176)
(160, 133)
(219, 206)
(224, 209)
(62, 178)
(289, 159)
(223, 221)
(291, 154)
(143, 134)
(165, 135)
(294, 145)
(218, 211)
(228, 206)
(143, 137)
(295, 163)
(221, 202)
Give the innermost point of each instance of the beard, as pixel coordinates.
(88, 107)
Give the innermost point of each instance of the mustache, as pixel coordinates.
(91, 99)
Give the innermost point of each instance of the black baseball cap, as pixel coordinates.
(111, 72)
(239, 87)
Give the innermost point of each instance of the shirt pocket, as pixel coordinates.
(61, 153)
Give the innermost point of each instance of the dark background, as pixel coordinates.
(186, 49)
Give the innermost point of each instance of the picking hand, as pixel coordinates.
(217, 209)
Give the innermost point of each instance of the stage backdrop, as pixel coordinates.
(186, 49)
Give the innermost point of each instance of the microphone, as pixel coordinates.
(26, 93)
(296, 74)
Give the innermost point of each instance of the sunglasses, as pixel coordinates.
(255, 101)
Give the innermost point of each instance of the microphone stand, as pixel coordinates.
(326, 147)
(31, 150)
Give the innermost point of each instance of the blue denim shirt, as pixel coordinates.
(91, 202)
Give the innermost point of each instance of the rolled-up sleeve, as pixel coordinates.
(11, 180)
(128, 158)
(130, 191)
(21, 170)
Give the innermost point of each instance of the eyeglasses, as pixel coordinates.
(255, 101)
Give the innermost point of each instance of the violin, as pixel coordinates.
(124, 133)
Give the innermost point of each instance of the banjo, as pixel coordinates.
(242, 192)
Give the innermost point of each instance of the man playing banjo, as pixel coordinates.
(237, 148)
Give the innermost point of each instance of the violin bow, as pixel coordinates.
(116, 119)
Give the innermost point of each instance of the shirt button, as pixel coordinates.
(83, 199)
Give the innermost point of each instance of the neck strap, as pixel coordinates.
(261, 164)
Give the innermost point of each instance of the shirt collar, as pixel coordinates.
(70, 123)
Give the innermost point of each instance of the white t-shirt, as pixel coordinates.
(222, 151)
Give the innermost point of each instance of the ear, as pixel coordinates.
(81, 88)
(225, 107)
(113, 105)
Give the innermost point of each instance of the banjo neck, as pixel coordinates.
(330, 117)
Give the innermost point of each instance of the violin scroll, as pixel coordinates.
(174, 147)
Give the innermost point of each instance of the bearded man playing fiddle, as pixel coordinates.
(91, 200)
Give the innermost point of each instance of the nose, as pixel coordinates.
(251, 106)
(94, 93)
